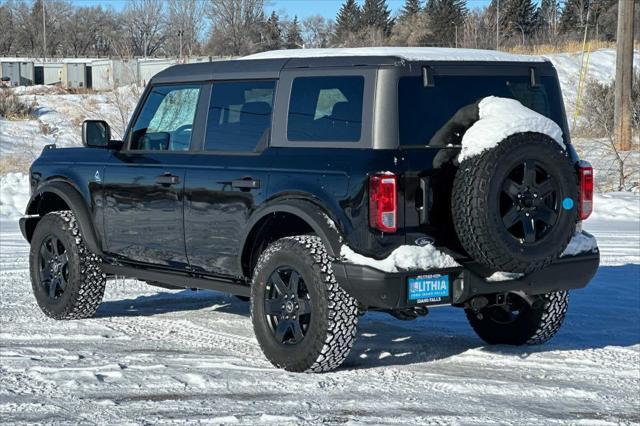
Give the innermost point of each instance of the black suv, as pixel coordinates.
(320, 188)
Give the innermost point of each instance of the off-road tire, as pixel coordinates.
(533, 326)
(334, 314)
(86, 283)
(475, 200)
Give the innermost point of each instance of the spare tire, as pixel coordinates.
(514, 206)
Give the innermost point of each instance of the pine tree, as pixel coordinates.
(347, 21)
(272, 34)
(574, 16)
(294, 38)
(411, 8)
(376, 14)
(446, 17)
(518, 17)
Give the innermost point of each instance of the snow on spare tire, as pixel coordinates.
(514, 202)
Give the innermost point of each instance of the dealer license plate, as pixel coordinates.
(429, 289)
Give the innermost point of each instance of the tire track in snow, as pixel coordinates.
(184, 333)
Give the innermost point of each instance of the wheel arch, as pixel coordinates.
(301, 217)
(59, 196)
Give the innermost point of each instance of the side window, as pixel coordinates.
(166, 120)
(239, 115)
(326, 109)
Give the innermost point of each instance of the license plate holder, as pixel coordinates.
(430, 290)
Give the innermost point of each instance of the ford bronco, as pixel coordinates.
(322, 184)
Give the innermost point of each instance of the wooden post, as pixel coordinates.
(624, 75)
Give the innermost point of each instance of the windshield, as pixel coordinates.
(425, 110)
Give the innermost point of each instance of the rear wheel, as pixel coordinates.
(66, 277)
(303, 319)
(518, 322)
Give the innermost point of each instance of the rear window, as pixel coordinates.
(424, 110)
(326, 109)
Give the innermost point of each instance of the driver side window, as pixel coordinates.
(166, 120)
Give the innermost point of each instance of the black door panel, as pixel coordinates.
(144, 208)
(219, 200)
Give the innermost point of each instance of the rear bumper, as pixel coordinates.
(379, 289)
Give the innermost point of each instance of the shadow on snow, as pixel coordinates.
(606, 313)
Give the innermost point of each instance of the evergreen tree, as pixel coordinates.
(518, 18)
(272, 34)
(574, 16)
(294, 37)
(376, 14)
(411, 8)
(347, 21)
(446, 16)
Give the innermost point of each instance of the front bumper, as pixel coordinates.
(378, 289)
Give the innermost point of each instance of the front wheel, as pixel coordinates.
(519, 322)
(302, 318)
(67, 279)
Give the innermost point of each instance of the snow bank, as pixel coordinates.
(602, 66)
(407, 53)
(404, 258)
(14, 195)
(616, 206)
(581, 242)
(500, 118)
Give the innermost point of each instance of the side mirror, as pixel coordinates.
(96, 133)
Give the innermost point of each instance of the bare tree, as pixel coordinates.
(235, 26)
(9, 27)
(144, 25)
(185, 23)
(317, 31)
(597, 122)
(83, 31)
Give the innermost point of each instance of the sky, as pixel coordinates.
(301, 8)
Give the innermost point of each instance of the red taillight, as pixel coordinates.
(382, 202)
(585, 176)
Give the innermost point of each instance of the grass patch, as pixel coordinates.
(14, 108)
(566, 47)
(15, 163)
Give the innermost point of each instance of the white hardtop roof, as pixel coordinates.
(406, 53)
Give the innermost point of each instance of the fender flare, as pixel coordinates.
(313, 214)
(72, 197)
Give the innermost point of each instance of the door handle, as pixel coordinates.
(246, 183)
(167, 179)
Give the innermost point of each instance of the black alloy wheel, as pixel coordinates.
(54, 266)
(529, 203)
(67, 278)
(287, 306)
(302, 318)
(518, 321)
(509, 312)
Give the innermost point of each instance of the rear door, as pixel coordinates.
(229, 178)
(144, 187)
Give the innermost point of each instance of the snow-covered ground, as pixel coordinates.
(59, 115)
(160, 356)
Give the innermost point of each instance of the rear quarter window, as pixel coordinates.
(326, 109)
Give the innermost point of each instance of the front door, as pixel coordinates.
(144, 186)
